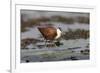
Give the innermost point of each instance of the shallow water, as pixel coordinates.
(63, 52)
(70, 50)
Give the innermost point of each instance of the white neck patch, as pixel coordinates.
(58, 34)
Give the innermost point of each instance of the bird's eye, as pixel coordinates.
(60, 28)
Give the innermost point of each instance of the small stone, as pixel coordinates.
(27, 61)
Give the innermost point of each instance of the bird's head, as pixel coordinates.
(60, 28)
(62, 32)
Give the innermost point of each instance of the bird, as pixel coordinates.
(50, 33)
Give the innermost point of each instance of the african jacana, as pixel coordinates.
(50, 33)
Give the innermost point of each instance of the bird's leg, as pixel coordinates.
(45, 43)
(54, 44)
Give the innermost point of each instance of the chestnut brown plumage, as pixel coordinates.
(49, 33)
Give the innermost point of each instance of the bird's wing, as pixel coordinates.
(48, 33)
